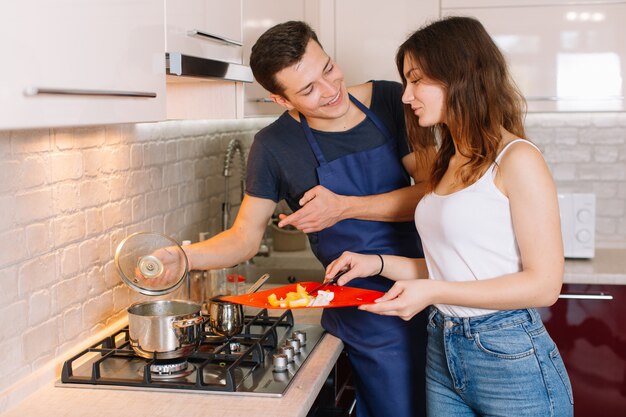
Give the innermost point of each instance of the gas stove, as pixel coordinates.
(262, 360)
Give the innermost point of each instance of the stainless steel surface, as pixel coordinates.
(191, 66)
(295, 344)
(164, 329)
(37, 91)
(234, 147)
(280, 362)
(225, 319)
(287, 351)
(301, 336)
(213, 37)
(587, 296)
(331, 281)
(259, 282)
(121, 371)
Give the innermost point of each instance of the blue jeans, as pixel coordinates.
(501, 364)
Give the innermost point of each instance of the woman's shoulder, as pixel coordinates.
(514, 148)
(520, 159)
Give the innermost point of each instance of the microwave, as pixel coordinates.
(578, 223)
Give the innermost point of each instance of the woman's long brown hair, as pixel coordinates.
(458, 53)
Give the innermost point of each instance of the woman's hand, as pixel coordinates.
(358, 266)
(405, 299)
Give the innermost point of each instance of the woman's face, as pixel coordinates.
(425, 97)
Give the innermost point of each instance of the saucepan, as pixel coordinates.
(164, 329)
(226, 318)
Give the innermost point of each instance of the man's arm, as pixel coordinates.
(322, 208)
(239, 243)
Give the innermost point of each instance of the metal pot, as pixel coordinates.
(226, 318)
(164, 329)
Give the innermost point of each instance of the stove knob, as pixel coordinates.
(295, 344)
(288, 351)
(280, 362)
(300, 335)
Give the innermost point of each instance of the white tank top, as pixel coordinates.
(468, 235)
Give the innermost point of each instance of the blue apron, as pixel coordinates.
(387, 354)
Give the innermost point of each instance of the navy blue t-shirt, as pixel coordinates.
(281, 164)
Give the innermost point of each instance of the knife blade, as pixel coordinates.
(329, 282)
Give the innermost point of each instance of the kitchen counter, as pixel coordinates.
(52, 401)
(607, 267)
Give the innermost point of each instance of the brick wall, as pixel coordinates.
(587, 153)
(69, 196)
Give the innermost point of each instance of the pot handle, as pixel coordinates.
(181, 324)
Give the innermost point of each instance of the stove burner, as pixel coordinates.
(243, 364)
(165, 370)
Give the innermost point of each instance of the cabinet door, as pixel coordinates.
(69, 63)
(259, 16)
(563, 56)
(588, 327)
(205, 29)
(368, 33)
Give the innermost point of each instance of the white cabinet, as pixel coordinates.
(367, 34)
(361, 35)
(205, 53)
(205, 28)
(564, 55)
(258, 16)
(70, 63)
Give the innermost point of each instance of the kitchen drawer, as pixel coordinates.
(588, 327)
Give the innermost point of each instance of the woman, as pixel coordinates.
(490, 228)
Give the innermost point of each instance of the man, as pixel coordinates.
(339, 158)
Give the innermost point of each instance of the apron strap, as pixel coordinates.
(308, 133)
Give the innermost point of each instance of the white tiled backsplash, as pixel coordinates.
(68, 197)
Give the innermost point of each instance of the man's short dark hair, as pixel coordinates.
(281, 46)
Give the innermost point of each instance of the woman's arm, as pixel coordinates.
(396, 268)
(525, 179)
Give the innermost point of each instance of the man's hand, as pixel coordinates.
(321, 208)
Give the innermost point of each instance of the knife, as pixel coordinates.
(329, 282)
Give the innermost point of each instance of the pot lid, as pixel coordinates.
(151, 263)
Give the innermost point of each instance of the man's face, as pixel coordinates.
(314, 86)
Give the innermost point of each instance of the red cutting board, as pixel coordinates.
(344, 296)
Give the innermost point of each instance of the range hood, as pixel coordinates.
(191, 66)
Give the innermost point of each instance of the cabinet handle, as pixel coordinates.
(601, 296)
(261, 100)
(556, 98)
(37, 91)
(213, 37)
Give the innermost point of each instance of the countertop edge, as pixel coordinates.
(52, 401)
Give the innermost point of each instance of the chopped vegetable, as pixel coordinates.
(273, 300)
(299, 298)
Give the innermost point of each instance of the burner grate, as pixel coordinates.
(216, 366)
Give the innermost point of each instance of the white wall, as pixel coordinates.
(68, 197)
